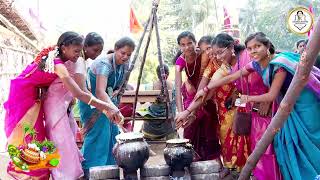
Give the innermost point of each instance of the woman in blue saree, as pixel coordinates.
(105, 75)
(297, 144)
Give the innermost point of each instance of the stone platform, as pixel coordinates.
(199, 170)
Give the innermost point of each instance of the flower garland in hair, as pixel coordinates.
(45, 59)
(236, 42)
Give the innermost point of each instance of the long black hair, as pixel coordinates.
(187, 34)
(205, 39)
(262, 38)
(299, 42)
(179, 52)
(125, 41)
(92, 39)
(69, 38)
(224, 40)
(66, 39)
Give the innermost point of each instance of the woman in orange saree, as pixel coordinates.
(235, 148)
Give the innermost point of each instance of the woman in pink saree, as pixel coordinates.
(267, 167)
(61, 127)
(24, 105)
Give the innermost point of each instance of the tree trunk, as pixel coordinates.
(299, 80)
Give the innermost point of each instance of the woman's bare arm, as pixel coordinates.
(178, 84)
(274, 90)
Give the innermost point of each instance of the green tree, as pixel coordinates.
(174, 16)
(271, 18)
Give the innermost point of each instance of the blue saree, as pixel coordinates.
(297, 144)
(100, 139)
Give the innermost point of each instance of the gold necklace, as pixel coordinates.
(194, 67)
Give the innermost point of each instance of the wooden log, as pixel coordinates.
(135, 57)
(143, 96)
(142, 65)
(163, 74)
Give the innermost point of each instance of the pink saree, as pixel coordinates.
(61, 128)
(24, 108)
(267, 167)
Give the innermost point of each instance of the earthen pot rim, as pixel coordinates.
(129, 137)
(177, 141)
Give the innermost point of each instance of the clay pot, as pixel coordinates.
(178, 154)
(131, 152)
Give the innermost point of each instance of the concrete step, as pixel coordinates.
(155, 171)
(211, 176)
(204, 167)
(105, 172)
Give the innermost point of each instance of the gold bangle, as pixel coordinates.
(90, 101)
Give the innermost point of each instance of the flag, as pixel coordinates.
(311, 11)
(135, 26)
(227, 22)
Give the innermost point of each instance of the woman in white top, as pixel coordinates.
(93, 46)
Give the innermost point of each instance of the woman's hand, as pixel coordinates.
(180, 118)
(118, 118)
(201, 94)
(115, 93)
(114, 115)
(244, 98)
(230, 101)
(190, 119)
(264, 108)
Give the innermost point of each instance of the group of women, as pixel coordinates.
(218, 70)
(259, 77)
(63, 70)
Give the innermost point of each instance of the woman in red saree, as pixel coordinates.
(235, 148)
(202, 132)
